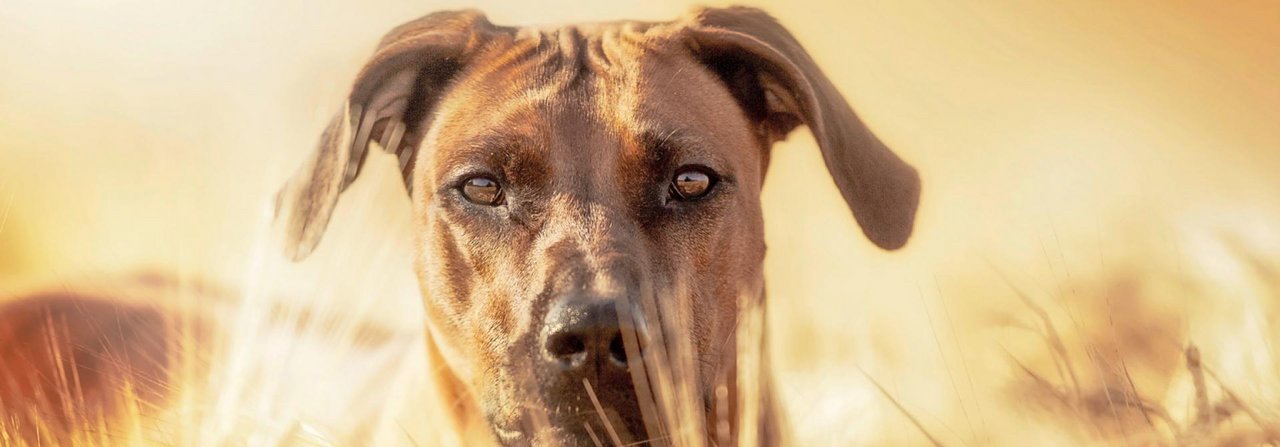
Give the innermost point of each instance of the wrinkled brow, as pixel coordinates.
(660, 148)
(516, 157)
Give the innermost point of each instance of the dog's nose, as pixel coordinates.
(585, 335)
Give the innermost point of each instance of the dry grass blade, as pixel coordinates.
(1205, 416)
(942, 357)
(595, 439)
(1271, 430)
(910, 417)
(649, 410)
(604, 418)
(1062, 360)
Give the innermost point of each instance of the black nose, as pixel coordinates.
(586, 335)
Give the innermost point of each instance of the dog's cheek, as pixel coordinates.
(453, 272)
(446, 286)
(732, 262)
(474, 307)
(491, 356)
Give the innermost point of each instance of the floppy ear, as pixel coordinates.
(780, 87)
(389, 103)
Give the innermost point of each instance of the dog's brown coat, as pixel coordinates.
(583, 126)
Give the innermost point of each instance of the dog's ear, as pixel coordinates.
(389, 104)
(780, 87)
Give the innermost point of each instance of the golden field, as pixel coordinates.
(1096, 261)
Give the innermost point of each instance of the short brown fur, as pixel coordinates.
(583, 126)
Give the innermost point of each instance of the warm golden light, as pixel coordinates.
(1095, 260)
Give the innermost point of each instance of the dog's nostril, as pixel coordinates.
(618, 351)
(567, 348)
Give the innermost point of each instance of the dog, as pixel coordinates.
(586, 198)
(80, 359)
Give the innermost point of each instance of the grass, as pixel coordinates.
(1095, 360)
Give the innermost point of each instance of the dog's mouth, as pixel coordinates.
(587, 428)
(606, 415)
(615, 420)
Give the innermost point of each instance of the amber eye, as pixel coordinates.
(692, 183)
(482, 190)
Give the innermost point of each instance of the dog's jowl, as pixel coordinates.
(587, 210)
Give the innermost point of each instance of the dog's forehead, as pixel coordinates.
(582, 67)
(602, 84)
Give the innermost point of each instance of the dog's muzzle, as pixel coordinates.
(586, 372)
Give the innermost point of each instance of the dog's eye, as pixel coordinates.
(692, 183)
(482, 190)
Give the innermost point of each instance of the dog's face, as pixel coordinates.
(561, 182)
(583, 194)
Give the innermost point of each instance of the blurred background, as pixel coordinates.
(1102, 191)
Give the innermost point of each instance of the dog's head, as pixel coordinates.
(572, 185)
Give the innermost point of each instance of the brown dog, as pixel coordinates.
(77, 361)
(587, 203)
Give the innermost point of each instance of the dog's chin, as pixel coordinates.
(584, 430)
(559, 436)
